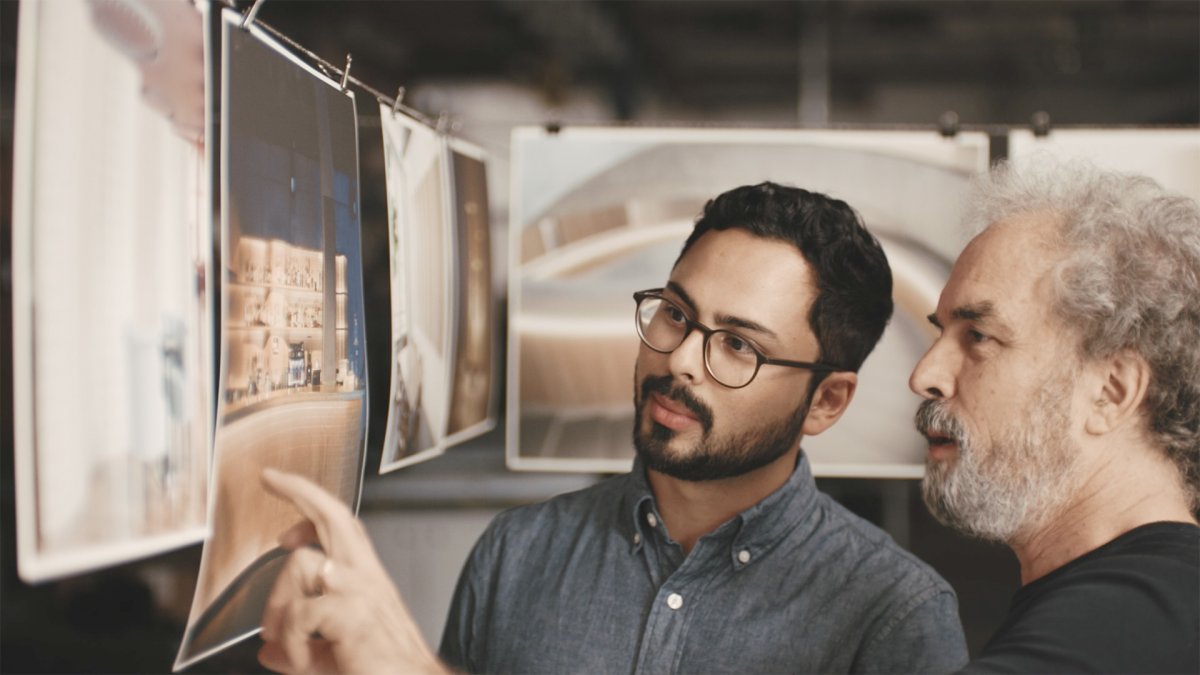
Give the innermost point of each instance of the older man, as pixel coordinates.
(1062, 411)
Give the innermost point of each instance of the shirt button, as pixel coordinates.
(674, 601)
(650, 518)
(637, 538)
(744, 556)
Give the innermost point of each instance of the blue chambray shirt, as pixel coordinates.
(591, 582)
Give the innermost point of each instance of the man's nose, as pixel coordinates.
(935, 374)
(687, 361)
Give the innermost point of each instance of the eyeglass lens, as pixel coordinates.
(728, 357)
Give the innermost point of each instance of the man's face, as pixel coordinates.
(999, 384)
(691, 427)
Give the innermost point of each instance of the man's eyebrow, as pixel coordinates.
(977, 311)
(974, 311)
(678, 290)
(722, 319)
(747, 324)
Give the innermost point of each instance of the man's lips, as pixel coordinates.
(940, 446)
(670, 414)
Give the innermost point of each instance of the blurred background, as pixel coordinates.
(491, 65)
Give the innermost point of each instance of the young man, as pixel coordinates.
(716, 553)
(1063, 416)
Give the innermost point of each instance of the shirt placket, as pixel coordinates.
(665, 631)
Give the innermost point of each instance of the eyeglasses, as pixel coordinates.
(731, 359)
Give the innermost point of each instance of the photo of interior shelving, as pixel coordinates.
(293, 369)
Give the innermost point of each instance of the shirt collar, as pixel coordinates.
(638, 501)
(789, 511)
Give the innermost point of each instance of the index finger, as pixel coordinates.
(336, 527)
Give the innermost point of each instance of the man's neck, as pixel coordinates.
(692, 509)
(1133, 486)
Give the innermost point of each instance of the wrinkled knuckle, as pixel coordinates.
(291, 615)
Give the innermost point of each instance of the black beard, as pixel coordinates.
(712, 459)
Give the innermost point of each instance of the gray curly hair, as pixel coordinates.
(1129, 279)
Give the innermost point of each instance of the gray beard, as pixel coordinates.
(712, 458)
(1007, 490)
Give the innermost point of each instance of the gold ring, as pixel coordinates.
(323, 575)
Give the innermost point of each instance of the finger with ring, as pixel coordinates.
(321, 583)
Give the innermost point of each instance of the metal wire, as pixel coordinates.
(338, 73)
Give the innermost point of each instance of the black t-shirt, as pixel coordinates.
(1130, 606)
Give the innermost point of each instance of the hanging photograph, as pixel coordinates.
(423, 306)
(472, 409)
(111, 255)
(599, 213)
(1169, 156)
(293, 390)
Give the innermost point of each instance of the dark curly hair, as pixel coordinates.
(854, 282)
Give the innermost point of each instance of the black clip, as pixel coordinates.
(1040, 123)
(948, 124)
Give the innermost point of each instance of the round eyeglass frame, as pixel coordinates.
(691, 324)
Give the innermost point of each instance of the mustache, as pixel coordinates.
(666, 387)
(934, 421)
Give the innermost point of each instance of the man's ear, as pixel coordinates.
(829, 401)
(1118, 392)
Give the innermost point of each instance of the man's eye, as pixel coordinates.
(675, 314)
(736, 344)
(976, 337)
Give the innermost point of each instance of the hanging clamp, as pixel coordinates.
(346, 72)
(396, 101)
(248, 18)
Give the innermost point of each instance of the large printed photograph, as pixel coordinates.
(599, 213)
(293, 393)
(1169, 156)
(111, 242)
